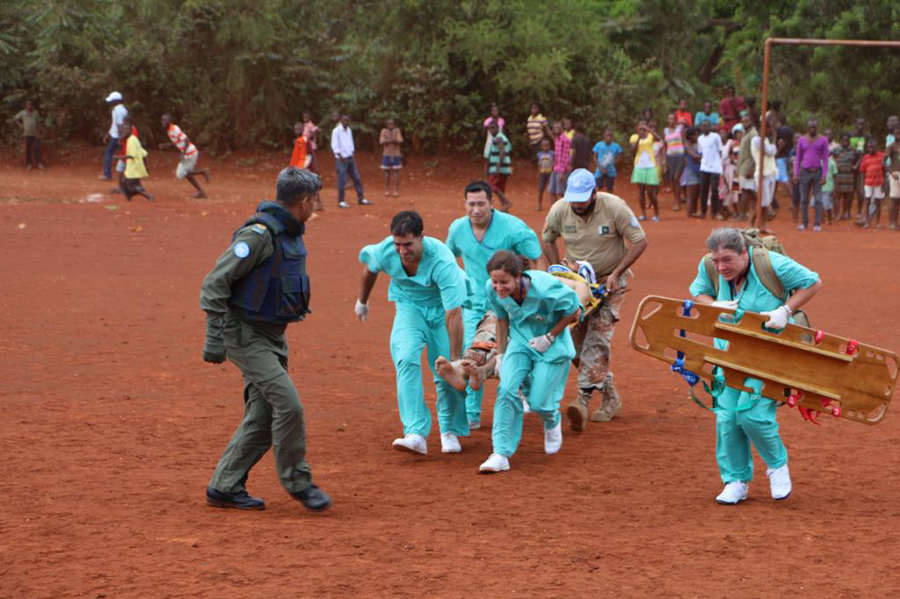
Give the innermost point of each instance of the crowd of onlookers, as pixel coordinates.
(710, 162)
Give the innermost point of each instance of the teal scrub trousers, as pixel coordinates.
(414, 328)
(740, 423)
(548, 384)
(471, 318)
(273, 414)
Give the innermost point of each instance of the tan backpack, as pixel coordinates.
(762, 245)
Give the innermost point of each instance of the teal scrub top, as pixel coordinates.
(754, 296)
(506, 232)
(546, 302)
(438, 282)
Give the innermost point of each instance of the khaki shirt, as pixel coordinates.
(599, 239)
(746, 164)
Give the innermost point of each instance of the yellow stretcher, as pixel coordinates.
(815, 370)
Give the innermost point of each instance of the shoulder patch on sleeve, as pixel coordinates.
(241, 249)
(634, 222)
(258, 229)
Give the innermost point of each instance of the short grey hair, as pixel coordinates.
(294, 184)
(726, 238)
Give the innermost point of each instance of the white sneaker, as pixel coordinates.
(412, 443)
(733, 493)
(343, 205)
(450, 443)
(779, 482)
(474, 425)
(494, 463)
(553, 438)
(801, 227)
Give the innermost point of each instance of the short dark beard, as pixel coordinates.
(589, 209)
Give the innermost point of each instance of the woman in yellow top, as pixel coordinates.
(644, 173)
(134, 163)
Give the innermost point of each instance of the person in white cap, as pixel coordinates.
(111, 138)
(595, 226)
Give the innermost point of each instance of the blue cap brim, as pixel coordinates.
(578, 196)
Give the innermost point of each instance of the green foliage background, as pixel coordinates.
(238, 73)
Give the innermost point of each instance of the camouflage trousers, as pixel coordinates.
(592, 338)
(484, 343)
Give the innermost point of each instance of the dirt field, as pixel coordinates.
(112, 424)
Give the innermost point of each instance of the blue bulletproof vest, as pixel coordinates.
(277, 290)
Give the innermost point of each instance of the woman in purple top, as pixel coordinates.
(810, 170)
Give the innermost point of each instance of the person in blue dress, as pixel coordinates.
(534, 311)
(475, 237)
(429, 290)
(606, 154)
(743, 419)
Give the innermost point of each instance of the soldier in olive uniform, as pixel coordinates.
(257, 287)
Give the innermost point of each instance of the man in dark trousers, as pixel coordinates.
(258, 287)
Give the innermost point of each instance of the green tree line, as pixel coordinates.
(239, 73)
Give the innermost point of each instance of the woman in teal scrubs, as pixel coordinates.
(742, 418)
(533, 313)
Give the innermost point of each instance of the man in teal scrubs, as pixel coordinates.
(475, 237)
(428, 289)
(742, 418)
(534, 310)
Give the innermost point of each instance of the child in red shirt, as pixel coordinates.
(683, 115)
(872, 169)
(302, 157)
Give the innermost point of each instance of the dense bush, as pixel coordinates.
(238, 73)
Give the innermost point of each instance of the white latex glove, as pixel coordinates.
(777, 318)
(362, 310)
(542, 343)
(727, 304)
(498, 361)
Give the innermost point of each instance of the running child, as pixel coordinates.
(187, 165)
(134, 154)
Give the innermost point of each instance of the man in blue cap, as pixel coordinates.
(595, 226)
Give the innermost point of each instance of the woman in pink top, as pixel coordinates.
(673, 139)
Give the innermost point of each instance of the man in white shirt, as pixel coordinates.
(343, 149)
(111, 138)
(710, 145)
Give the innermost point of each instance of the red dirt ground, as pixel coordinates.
(112, 424)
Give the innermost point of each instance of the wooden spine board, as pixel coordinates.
(790, 337)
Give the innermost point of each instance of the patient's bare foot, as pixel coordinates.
(478, 374)
(451, 372)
